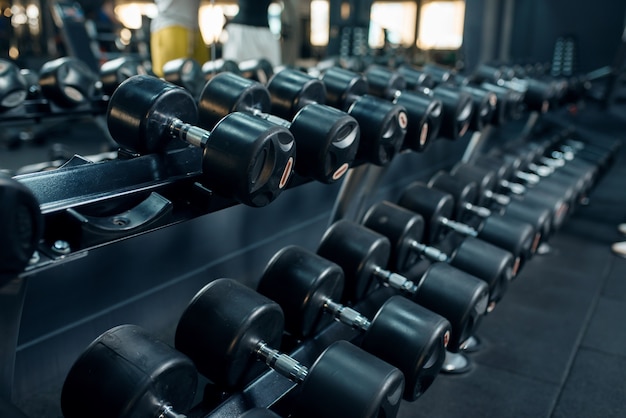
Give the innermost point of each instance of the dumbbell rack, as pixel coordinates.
(44, 112)
(156, 191)
(167, 190)
(38, 110)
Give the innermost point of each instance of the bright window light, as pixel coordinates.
(211, 20)
(320, 15)
(441, 25)
(397, 19)
(130, 14)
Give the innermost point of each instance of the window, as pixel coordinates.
(441, 25)
(320, 25)
(394, 21)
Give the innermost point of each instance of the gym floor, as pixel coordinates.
(556, 344)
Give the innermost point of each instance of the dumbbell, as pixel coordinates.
(572, 183)
(115, 71)
(478, 257)
(538, 95)
(501, 100)
(260, 70)
(21, 227)
(228, 327)
(327, 139)
(509, 102)
(244, 157)
(518, 237)
(485, 102)
(569, 149)
(424, 112)
(416, 78)
(405, 231)
(363, 254)
(126, 372)
(461, 298)
(602, 146)
(186, 73)
(561, 191)
(68, 82)
(547, 159)
(13, 86)
(457, 105)
(402, 333)
(382, 124)
(545, 210)
(466, 295)
(214, 67)
(546, 153)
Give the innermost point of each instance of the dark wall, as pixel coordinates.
(597, 27)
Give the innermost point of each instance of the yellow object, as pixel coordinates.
(175, 42)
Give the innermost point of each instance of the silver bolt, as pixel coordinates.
(61, 247)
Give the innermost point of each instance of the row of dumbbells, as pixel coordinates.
(388, 122)
(68, 83)
(64, 83)
(227, 327)
(246, 153)
(248, 131)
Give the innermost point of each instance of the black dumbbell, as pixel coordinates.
(13, 86)
(416, 78)
(485, 102)
(543, 210)
(186, 73)
(215, 67)
(458, 106)
(126, 372)
(559, 193)
(244, 157)
(228, 327)
(539, 94)
(456, 295)
(537, 158)
(327, 139)
(115, 71)
(518, 237)
(402, 333)
(383, 124)
(260, 70)
(21, 227)
(437, 208)
(68, 82)
(424, 112)
(599, 146)
(565, 151)
(546, 159)
(479, 258)
(363, 254)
